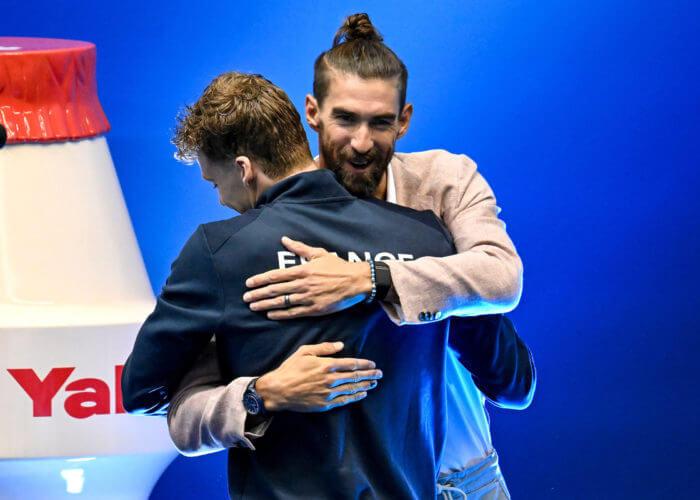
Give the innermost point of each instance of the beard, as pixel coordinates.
(361, 183)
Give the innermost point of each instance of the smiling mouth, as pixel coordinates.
(360, 165)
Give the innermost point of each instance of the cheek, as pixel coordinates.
(385, 141)
(337, 137)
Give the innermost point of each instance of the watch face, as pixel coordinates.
(251, 403)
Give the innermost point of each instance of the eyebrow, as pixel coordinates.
(342, 111)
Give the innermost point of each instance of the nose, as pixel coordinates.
(362, 139)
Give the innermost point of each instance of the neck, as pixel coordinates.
(264, 182)
(380, 192)
(319, 159)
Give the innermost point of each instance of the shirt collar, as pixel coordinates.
(390, 185)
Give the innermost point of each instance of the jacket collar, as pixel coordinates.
(406, 183)
(303, 188)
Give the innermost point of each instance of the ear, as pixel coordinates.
(405, 119)
(312, 112)
(246, 169)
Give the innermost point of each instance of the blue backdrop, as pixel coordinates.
(583, 118)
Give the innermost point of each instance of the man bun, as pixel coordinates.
(357, 27)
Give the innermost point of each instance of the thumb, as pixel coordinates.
(323, 349)
(303, 250)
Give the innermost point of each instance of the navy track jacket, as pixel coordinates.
(386, 446)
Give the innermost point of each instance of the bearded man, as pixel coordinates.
(359, 110)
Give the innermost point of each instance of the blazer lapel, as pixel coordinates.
(408, 187)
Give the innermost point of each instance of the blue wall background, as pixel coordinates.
(581, 115)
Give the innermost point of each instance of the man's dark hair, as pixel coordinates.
(362, 53)
(243, 114)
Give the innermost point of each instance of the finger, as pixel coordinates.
(322, 349)
(351, 364)
(302, 249)
(276, 290)
(302, 311)
(345, 400)
(295, 300)
(276, 276)
(355, 377)
(348, 389)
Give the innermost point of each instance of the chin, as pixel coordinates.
(238, 207)
(360, 184)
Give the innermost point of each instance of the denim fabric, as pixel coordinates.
(481, 481)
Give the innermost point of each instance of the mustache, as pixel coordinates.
(360, 158)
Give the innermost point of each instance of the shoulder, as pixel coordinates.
(197, 262)
(435, 179)
(219, 232)
(426, 218)
(425, 163)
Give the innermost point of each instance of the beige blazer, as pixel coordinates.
(485, 277)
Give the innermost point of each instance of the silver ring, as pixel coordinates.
(287, 302)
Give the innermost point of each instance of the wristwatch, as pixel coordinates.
(252, 401)
(383, 279)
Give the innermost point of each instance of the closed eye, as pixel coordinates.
(344, 118)
(383, 124)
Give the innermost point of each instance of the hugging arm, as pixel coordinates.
(499, 361)
(208, 415)
(483, 277)
(187, 312)
(327, 284)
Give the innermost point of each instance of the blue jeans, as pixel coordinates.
(481, 481)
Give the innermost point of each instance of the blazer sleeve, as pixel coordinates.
(484, 277)
(187, 313)
(499, 361)
(206, 414)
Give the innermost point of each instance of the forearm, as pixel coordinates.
(206, 414)
(208, 418)
(161, 357)
(478, 281)
(187, 311)
(151, 375)
(498, 359)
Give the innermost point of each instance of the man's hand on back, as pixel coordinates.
(308, 382)
(324, 285)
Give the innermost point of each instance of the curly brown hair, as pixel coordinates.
(243, 114)
(359, 49)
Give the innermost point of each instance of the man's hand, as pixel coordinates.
(307, 382)
(324, 285)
